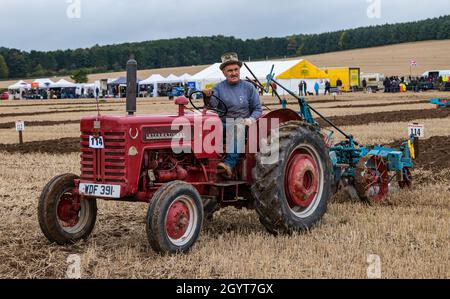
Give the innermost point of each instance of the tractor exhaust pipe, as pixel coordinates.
(131, 85)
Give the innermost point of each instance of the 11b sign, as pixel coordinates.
(416, 130)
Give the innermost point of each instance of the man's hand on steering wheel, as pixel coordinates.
(207, 94)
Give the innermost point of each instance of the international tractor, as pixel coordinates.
(132, 159)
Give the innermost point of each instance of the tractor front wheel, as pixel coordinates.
(63, 217)
(174, 218)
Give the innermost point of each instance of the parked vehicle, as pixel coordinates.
(4, 96)
(374, 80)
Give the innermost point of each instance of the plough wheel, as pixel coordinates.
(406, 183)
(372, 182)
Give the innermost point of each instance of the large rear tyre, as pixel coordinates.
(292, 192)
(63, 217)
(174, 218)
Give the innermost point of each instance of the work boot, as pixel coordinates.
(225, 170)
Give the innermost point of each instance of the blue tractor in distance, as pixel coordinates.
(177, 91)
(440, 103)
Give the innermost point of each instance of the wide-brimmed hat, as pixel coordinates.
(229, 59)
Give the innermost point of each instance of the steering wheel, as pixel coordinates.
(221, 109)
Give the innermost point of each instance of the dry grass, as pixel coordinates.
(10, 136)
(379, 133)
(410, 232)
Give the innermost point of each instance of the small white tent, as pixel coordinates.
(185, 77)
(62, 84)
(16, 89)
(153, 80)
(172, 79)
(19, 85)
(43, 83)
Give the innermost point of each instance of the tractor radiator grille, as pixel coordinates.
(106, 165)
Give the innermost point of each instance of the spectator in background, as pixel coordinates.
(327, 87)
(300, 88)
(387, 84)
(339, 86)
(364, 85)
(316, 88)
(97, 92)
(274, 88)
(305, 88)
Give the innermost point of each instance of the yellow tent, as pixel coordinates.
(303, 70)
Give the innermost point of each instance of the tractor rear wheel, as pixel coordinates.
(63, 217)
(372, 183)
(174, 218)
(292, 192)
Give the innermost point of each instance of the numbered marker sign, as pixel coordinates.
(96, 142)
(416, 130)
(20, 126)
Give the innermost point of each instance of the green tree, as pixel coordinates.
(342, 40)
(80, 76)
(291, 45)
(17, 63)
(39, 71)
(4, 71)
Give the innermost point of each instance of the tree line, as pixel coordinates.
(17, 64)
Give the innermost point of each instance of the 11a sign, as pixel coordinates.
(417, 130)
(20, 126)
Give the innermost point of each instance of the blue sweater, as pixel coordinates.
(241, 99)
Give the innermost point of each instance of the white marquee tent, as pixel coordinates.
(43, 83)
(154, 80)
(19, 85)
(173, 79)
(185, 77)
(62, 84)
(16, 89)
(213, 75)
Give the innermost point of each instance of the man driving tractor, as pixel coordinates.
(244, 107)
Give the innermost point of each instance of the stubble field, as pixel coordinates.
(410, 232)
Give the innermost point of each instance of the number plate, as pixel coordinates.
(108, 191)
(96, 142)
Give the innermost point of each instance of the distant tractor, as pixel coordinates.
(131, 158)
(176, 92)
(440, 103)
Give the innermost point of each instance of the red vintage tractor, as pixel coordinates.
(131, 158)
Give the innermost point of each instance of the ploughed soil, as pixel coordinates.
(379, 104)
(386, 117)
(312, 102)
(47, 123)
(348, 120)
(48, 112)
(434, 153)
(57, 146)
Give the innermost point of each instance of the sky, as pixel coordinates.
(70, 24)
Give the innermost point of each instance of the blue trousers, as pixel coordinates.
(235, 140)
